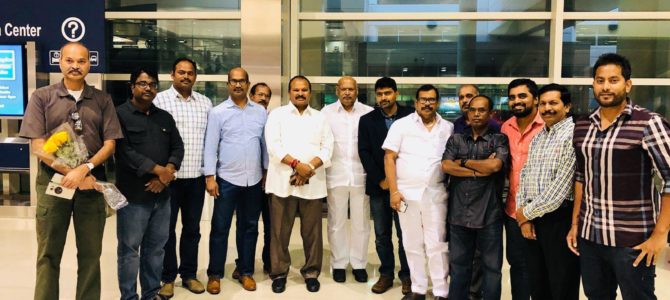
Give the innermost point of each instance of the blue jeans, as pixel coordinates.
(517, 250)
(604, 267)
(141, 230)
(383, 217)
(462, 245)
(247, 202)
(186, 195)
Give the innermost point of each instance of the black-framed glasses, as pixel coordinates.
(427, 100)
(144, 84)
(76, 120)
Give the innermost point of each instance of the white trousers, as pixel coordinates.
(348, 244)
(424, 236)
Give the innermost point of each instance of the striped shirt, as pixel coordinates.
(191, 118)
(620, 204)
(546, 178)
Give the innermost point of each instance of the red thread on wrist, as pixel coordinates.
(294, 163)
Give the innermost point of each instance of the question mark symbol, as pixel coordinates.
(73, 25)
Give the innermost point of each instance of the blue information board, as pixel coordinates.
(12, 81)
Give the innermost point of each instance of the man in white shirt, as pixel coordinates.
(300, 146)
(414, 148)
(187, 194)
(345, 179)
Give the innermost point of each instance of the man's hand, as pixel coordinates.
(396, 198)
(384, 184)
(165, 174)
(154, 185)
(520, 217)
(73, 179)
(651, 248)
(571, 239)
(528, 231)
(88, 183)
(211, 186)
(304, 170)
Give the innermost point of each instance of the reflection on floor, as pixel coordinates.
(19, 250)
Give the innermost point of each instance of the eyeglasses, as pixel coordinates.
(235, 82)
(427, 100)
(78, 126)
(480, 110)
(144, 84)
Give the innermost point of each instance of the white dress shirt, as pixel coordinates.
(419, 162)
(191, 117)
(303, 136)
(346, 168)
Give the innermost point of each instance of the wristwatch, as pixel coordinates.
(463, 161)
(90, 166)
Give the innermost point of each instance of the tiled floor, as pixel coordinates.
(19, 249)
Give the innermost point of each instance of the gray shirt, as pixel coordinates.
(475, 202)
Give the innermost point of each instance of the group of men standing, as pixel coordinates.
(581, 198)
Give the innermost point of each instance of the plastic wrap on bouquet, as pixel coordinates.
(112, 195)
(64, 148)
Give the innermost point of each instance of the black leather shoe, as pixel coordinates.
(360, 275)
(313, 284)
(339, 275)
(414, 296)
(279, 285)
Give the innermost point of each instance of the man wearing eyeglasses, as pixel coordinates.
(476, 161)
(414, 147)
(189, 109)
(146, 159)
(234, 161)
(98, 125)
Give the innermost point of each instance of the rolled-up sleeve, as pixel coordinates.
(656, 142)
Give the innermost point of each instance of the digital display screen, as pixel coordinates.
(12, 81)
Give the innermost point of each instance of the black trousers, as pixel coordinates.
(552, 268)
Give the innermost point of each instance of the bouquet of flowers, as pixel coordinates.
(65, 148)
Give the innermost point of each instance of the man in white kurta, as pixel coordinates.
(412, 162)
(345, 179)
(300, 146)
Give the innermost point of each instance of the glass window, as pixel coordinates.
(213, 44)
(404, 6)
(425, 48)
(323, 94)
(645, 43)
(616, 5)
(217, 91)
(171, 5)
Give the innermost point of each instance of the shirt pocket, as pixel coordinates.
(136, 135)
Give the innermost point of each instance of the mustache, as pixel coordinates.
(548, 113)
(75, 70)
(427, 108)
(300, 97)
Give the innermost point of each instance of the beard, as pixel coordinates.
(617, 99)
(521, 114)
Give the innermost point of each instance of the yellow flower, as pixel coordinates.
(55, 141)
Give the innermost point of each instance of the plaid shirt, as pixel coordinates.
(620, 204)
(191, 117)
(546, 178)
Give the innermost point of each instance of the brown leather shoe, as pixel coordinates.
(213, 285)
(406, 285)
(383, 284)
(193, 285)
(167, 290)
(248, 282)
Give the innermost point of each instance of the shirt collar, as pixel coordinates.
(340, 108)
(177, 95)
(134, 109)
(293, 109)
(627, 111)
(536, 121)
(87, 92)
(229, 103)
(484, 136)
(559, 126)
(417, 119)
